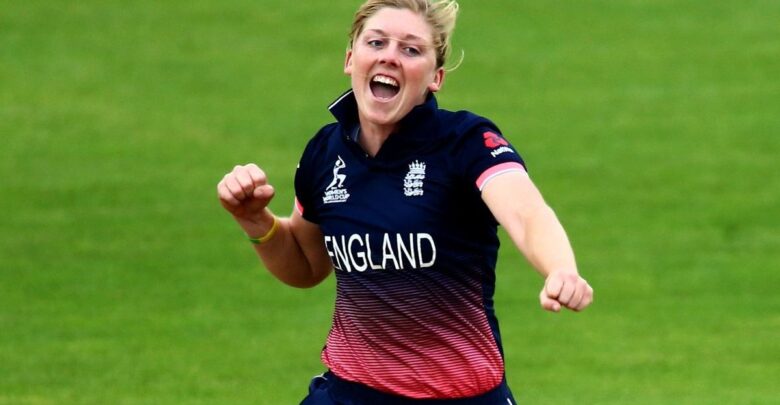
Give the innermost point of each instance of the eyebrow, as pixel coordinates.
(405, 38)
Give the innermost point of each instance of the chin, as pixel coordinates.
(380, 117)
(384, 119)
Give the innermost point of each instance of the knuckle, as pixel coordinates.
(245, 182)
(235, 191)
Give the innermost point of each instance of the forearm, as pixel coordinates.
(283, 254)
(543, 241)
(292, 248)
(534, 228)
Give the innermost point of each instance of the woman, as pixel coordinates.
(402, 200)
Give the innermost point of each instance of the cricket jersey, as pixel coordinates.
(413, 247)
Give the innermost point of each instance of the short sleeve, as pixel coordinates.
(304, 188)
(484, 154)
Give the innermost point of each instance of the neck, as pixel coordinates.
(373, 136)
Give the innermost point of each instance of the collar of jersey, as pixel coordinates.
(418, 124)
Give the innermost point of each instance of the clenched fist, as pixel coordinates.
(245, 193)
(565, 289)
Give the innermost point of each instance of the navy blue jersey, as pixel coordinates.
(414, 249)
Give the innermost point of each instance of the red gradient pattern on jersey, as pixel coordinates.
(419, 334)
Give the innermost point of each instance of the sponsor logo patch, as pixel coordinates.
(497, 143)
(494, 140)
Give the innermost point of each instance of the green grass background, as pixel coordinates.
(652, 127)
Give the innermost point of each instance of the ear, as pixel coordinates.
(438, 80)
(348, 63)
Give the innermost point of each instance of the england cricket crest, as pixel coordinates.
(413, 182)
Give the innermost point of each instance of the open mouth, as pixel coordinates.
(384, 87)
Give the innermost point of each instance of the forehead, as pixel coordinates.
(399, 23)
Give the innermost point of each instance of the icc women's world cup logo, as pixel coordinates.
(335, 192)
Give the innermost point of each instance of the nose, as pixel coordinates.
(390, 55)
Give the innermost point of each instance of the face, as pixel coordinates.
(392, 65)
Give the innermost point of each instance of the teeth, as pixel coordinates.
(386, 80)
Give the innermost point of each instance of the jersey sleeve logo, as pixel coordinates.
(493, 140)
(336, 192)
(413, 182)
(497, 143)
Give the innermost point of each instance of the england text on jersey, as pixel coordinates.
(381, 252)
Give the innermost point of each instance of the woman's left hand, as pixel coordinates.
(565, 289)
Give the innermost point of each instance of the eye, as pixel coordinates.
(375, 43)
(412, 50)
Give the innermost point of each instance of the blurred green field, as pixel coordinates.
(652, 127)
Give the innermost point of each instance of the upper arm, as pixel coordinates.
(512, 199)
(310, 239)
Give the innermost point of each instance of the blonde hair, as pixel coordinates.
(439, 14)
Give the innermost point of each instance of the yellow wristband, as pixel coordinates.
(267, 236)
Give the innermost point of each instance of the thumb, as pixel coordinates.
(548, 303)
(553, 285)
(264, 192)
(261, 196)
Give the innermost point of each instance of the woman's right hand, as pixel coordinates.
(245, 193)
